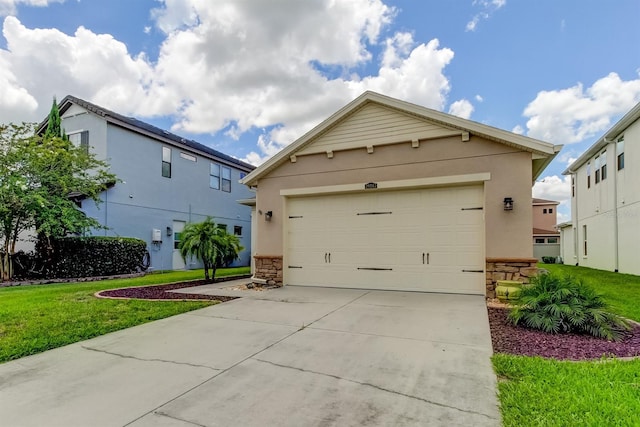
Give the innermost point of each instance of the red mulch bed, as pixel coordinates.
(519, 340)
(159, 292)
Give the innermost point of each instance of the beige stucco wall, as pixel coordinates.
(544, 221)
(508, 233)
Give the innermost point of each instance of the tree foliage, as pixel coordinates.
(39, 177)
(54, 123)
(209, 243)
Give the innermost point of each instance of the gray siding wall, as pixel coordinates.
(546, 249)
(145, 200)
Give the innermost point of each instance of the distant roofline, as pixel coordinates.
(610, 136)
(536, 201)
(149, 130)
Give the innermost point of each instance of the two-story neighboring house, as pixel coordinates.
(166, 182)
(605, 200)
(546, 239)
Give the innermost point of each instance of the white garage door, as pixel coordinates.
(416, 240)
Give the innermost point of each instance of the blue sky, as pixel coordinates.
(249, 77)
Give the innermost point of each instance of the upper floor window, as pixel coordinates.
(237, 230)
(166, 162)
(188, 157)
(80, 139)
(588, 175)
(620, 151)
(214, 176)
(597, 168)
(219, 177)
(603, 165)
(226, 179)
(544, 211)
(550, 210)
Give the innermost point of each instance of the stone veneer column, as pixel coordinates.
(519, 269)
(269, 268)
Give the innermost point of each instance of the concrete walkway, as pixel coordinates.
(286, 357)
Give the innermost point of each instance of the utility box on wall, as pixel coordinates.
(156, 235)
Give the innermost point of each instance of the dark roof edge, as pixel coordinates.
(149, 130)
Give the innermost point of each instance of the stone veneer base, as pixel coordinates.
(519, 269)
(269, 268)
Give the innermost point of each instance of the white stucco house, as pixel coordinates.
(605, 201)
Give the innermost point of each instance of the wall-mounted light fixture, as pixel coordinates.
(508, 204)
(169, 231)
(268, 215)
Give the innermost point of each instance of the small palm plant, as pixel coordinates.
(210, 244)
(557, 304)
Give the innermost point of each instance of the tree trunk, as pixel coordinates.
(213, 273)
(206, 270)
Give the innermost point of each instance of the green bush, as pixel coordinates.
(98, 256)
(560, 304)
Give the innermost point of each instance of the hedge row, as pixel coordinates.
(98, 256)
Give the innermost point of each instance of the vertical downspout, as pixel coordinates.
(615, 205)
(576, 231)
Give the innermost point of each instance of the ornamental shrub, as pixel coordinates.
(98, 256)
(562, 304)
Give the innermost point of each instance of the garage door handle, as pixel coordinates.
(427, 257)
(329, 257)
(473, 271)
(325, 257)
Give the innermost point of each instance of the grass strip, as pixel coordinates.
(540, 392)
(36, 318)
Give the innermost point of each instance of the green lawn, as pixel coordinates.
(621, 291)
(36, 318)
(541, 392)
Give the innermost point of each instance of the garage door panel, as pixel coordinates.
(377, 240)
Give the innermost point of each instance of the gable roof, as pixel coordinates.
(542, 152)
(610, 136)
(149, 130)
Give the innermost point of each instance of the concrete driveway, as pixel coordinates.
(287, 357)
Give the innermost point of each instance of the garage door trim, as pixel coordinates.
(404, 184)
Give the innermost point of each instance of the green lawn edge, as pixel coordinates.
(36, 318)
(534, 391)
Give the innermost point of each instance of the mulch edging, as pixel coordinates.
(161, 292)
(518, 340)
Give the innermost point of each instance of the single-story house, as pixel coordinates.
(385, 194)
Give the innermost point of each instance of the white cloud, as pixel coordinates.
(461, 108)
(97, 67)
(479, 98)
(9, 7)
(574, 114)
(229, 66)
(488, 7)
(518, 129)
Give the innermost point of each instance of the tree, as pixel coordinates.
(38, 174)
(209, 243)
(54, 123)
